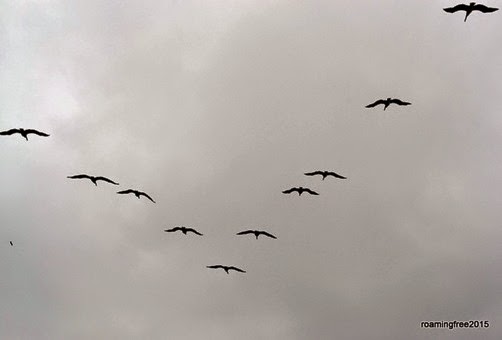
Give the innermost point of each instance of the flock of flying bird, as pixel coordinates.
(467, 8)
(185, 230)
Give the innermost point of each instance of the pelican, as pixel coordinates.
(387, 102)
(93, 179)
(256, 233)
(135, 192)
(324, 174)
(184, 230)
(23, 132)
(226, 268)
(300, 190)
(472, 6)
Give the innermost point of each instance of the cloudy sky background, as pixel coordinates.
(214, 108)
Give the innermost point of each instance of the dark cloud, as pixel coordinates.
(214, 109)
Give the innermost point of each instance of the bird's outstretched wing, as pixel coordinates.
(290, 190)
(484, 9)
(399, 102)
(313, 173)
(128, 191)
(146, 195)
(236, 269)
(268, 234)
(216, 266)
(334, 174)
(194, 231)
(245, 232)
(172, 229)
(312, 192)
(79, 176)
(378, 102)
(9, 132)
(461, 7)
(104, 179)
(43, 134)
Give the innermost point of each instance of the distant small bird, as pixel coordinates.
(324, 174)
(300, 190)
(184, 230)
(470, 8)
(135, 192)
(387, 102)
(226, 268)
(93, 179)
(23, 132)
(256, 233)
(11, 243)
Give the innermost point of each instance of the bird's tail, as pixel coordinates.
(467, 13)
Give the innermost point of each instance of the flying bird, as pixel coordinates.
(324, 174)
(23, 132)
(470, 8)
(387, 102)
(256, 233)
(135, 192)
(184, 230)
(226, 268)
(300, 190)
(93, 179)
(11, 243)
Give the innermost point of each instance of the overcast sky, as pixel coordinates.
(214, 108)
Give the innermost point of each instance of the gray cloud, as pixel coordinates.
(214, 109)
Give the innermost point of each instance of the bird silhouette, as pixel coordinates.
(226, 268)
(300, 190)
(12, 244)
(387, 102)
(184, 230)
(256, 233)
(470, 8)
(135, 192)
(93, 179)
(324, 174)
(23, 132)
